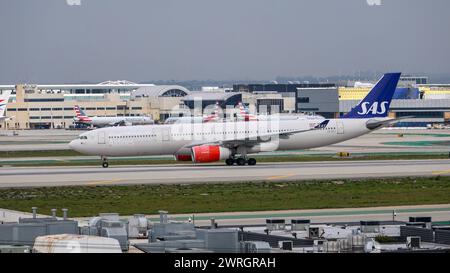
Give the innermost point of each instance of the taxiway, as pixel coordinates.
(191, 173)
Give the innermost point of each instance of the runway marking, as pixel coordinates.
(104, 182)
(443, 172)
(280, 176)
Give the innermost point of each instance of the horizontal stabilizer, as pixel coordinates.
(373, 124)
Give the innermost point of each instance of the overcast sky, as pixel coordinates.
(49, 41)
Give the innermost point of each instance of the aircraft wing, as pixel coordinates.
(253, 140)
(373, 124)
(120, 123)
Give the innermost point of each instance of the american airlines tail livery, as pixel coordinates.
(235, 141)
(81, 117)
(3, 102)
(244, 114)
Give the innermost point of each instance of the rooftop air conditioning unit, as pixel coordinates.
(315, 232)
(286, 245)
(413, 242)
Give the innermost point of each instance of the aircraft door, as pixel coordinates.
(166, 134)
(339, 127)
(101, 138)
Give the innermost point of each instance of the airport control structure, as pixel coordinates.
(34, 106)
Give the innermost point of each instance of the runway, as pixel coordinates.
(190, 173)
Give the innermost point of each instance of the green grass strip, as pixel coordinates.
(223, 197)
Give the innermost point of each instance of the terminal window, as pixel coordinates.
(303, 100)
(421, 114)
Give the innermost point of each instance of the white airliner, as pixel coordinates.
(245, 115)
(3, 102)
(242, 115)
(81, 117)
(234, 141)
(213, 117)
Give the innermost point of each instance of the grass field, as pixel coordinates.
(91, 200)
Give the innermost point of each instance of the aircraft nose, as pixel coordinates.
(73, 144)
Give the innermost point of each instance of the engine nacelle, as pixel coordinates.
(183, 157)
(205, 153)
(184, 154)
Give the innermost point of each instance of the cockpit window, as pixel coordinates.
(83, 137)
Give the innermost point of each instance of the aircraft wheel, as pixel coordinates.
(240, 161)
(251, 162)
(229, 161)
(105, 164)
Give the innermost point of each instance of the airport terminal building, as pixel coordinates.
(51, 106)
(428, 103)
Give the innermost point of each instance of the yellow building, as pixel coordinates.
(427, 91)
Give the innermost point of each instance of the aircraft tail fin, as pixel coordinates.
(79, 112)
(376, 103)
(3, 102)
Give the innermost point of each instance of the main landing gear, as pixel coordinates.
(240, 161)
(104, 162)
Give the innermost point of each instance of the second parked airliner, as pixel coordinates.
(81, 117)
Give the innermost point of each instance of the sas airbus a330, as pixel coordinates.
(235, 141)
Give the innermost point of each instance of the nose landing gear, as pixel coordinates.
(105, 162)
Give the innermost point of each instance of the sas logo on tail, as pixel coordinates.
(373, 108)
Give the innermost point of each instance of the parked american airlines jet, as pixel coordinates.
(81, 117)
(245, 115)
(234, 141)
(213, 117)
(3, 101)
